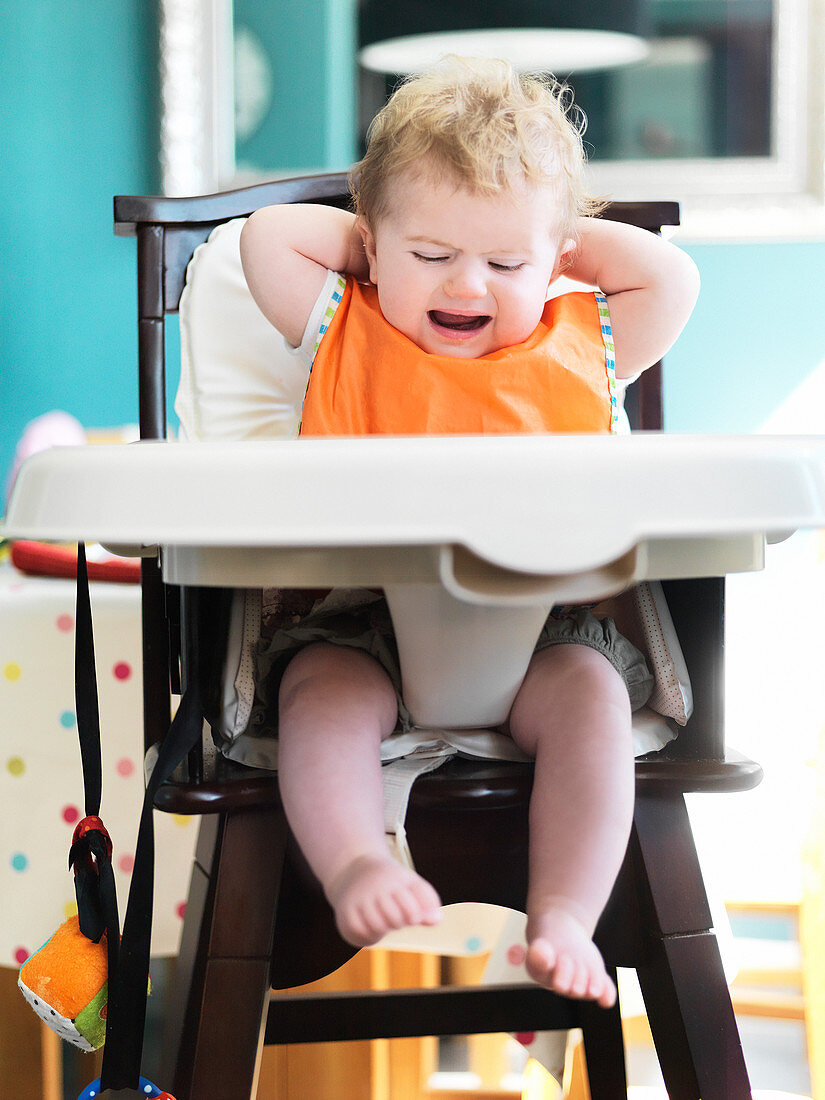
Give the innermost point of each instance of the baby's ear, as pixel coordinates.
(567, 254)
(368, 237)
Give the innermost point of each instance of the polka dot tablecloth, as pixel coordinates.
(41, 781)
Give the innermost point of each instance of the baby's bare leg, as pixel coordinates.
(573, 714)
(336, 705)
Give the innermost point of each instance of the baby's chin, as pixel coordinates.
(456, 352)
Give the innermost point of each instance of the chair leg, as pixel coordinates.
(692, 1021)
(682, 980)
(222, 984)
(604, 1050)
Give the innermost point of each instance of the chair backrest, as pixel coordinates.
(168, 232)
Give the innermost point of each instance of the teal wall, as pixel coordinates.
(78, 103)
(756, 334)
(78, 113)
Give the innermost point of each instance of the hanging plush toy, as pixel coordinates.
(66, 981)
(66, 984)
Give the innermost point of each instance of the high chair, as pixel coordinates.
(256, 919)
(255, 916)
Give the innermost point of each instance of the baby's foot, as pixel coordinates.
(374, 895)
(562, 957)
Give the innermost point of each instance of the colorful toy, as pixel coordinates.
(66, 984)
(66, 981)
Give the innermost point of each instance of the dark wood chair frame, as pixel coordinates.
(252, 899)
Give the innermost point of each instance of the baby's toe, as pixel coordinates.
(580, 980)
(406, 907)
(596, 985)
(353, 928)
(564, 974)
(606, 995)
(393, 911)
(369, 923)
(540, 961)
(429, 904)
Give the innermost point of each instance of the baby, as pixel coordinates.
(428, 311)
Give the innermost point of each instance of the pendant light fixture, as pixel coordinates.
(558, 36)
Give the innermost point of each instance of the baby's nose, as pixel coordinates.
(466, 282)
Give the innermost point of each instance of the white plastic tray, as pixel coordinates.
(495, 519)
(479, 536)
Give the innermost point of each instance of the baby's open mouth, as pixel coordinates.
(458, 322)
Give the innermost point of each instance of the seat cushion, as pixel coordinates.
(239, 380)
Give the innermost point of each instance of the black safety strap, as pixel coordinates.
(129, 977)
(91, 854)
(85, 689)
(127, 994)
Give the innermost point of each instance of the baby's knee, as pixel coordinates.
(591, 674)
(581, 667)
(565, 684)
(326, 676)
(592, 649)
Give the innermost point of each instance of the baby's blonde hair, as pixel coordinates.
(479, 122)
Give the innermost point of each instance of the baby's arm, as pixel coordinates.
(651, 287)
(286, 252)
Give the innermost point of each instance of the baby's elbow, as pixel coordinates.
(251, 233)
(261, 244)
(693, 278)
(689, 281)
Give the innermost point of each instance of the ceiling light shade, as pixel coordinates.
(552, 36)
(561, 50)
(382, 19)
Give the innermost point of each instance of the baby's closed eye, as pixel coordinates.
(429, 259)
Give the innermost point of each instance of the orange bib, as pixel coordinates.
(370, 379)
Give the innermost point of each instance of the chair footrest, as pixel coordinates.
(390, 1014)
(241, 791)
(733, 772)
(469, 785)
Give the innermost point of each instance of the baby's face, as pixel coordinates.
(463, 274)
